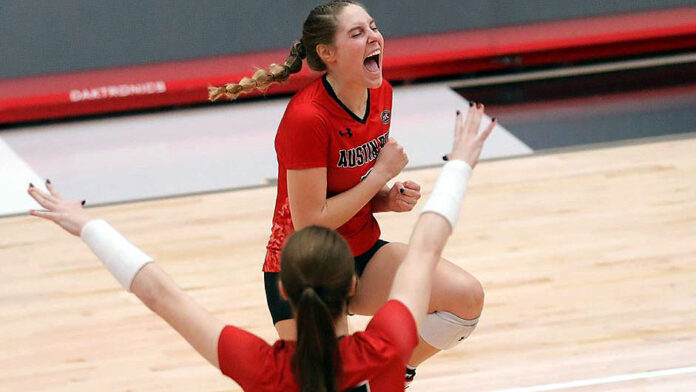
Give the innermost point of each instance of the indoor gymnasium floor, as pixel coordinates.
(585, 247)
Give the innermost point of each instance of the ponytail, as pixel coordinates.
(317, 271)
(316, 362)
(262, 78)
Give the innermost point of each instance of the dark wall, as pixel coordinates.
(47, 36)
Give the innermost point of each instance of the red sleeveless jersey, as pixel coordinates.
(317, 130)
(373, 360)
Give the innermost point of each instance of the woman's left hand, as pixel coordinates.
(403, 196)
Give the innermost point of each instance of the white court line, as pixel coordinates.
(15, 176)
(603, 380)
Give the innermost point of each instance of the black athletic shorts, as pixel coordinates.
(280, 308)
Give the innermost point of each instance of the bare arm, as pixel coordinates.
(380, 203)
(413, 280)
(309, 205)
(151, 284)
(307, 191)
(156, 289)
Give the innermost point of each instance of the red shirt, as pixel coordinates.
(373, 360)
(317, 130)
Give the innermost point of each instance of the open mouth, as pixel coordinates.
(371, 62)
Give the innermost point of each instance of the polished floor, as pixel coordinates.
(587, 259)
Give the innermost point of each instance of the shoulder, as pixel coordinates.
(305, 107)
(251, 362)
(369, 353)
(234, 343)
(301, 118)
(395, 324)
(391, 313)
(309, 95)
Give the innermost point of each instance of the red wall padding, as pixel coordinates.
(185, 82)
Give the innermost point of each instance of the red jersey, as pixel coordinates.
(317, 130)
(373, 360)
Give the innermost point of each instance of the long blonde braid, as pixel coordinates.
(262, 78)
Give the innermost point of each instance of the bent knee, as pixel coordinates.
(467, 301)
(475, 295)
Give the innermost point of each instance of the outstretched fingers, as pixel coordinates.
(484, 135)
(458, 124)
(469, 117)
(69, 215)
(476, 118)
(52, 190)
(52, 216)
(45, 200)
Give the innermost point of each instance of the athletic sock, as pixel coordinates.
(410, 374)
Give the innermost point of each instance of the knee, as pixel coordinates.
(445, 328)
(477, 295)
(470, 297)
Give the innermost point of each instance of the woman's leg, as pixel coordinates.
(281, 313)
(454, 290)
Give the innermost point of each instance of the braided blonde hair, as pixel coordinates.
(262, 78)
(319, 28)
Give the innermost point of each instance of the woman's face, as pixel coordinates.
(359, 46)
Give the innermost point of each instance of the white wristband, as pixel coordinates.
(120, 257)
(447, 196)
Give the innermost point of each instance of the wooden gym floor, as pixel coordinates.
(588, 259)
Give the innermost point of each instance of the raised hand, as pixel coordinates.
(67, 214)
(391, 160)
(468, 142)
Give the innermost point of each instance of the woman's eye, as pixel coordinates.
(356, 34)
(374, 28)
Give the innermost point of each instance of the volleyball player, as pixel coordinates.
(334, 161)
(317, 277)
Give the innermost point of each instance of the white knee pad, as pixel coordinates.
(444, 330)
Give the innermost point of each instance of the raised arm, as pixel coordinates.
(135, 271)
(307, 191)
(413, 280)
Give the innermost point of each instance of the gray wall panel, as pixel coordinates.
(47, 36)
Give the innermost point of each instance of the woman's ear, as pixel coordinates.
(327, 53)
(281, 289)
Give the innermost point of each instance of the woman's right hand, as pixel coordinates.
(67, 214)
(391, 160)
(468, 142)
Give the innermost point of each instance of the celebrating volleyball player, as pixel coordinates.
(335, 158)
(318, 278)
